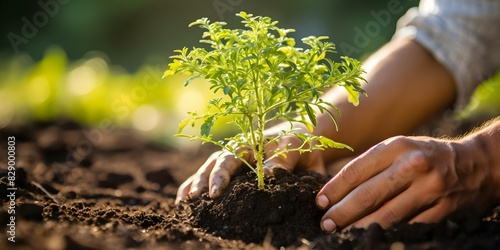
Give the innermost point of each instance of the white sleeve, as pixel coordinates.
(463, 35)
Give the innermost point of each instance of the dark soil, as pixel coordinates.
(119, 194)
(284, 210)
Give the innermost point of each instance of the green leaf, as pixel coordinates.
(309, 126)
(206, 127)
(353, 95)
(227, 88)
(199, 22)
(248, 58)
(243, 15)
(188, 81)
(258, 77)
(182, 125)
(310, 113)
(329, 143)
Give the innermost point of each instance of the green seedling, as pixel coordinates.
(261, 77)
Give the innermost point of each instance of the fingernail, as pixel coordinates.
(215, 188)
(322, 201)
(328, 225)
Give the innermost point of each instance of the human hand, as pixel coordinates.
(217, 170)
(413, 179)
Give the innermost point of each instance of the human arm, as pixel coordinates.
(415, 179)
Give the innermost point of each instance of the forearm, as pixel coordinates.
(405, 85)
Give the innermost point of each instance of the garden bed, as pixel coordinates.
(121, 193)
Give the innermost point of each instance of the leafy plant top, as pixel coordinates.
(261, 77)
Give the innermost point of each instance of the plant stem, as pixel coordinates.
(257, 145)
(259, 157)
(261, 120)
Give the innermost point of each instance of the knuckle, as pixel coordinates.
(398, 141)
(198, 183)
(227, 166)
(415, 162)
(388, 217)
(419, 160)
(437, 183)
(402, 143)
(393, 142)
(201, 175)
(350, 174)
(366, 198)
(224, 166)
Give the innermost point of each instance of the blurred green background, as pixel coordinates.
(97, 61)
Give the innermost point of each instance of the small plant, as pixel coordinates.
(261, 78)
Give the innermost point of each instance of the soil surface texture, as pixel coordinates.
(85, 188)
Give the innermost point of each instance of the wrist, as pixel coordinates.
(481, 150)
(489, 142)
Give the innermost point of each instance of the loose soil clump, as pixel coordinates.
(284, 211)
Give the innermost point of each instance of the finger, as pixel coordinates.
(366, 198)
(183, 191)
(199, 180)
(435, 213)
(420, 196)
(378, 192)
(225, 166)
(402, 207)
(359, 170)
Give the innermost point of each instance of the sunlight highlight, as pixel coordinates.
(82, 80)
(146, 118)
